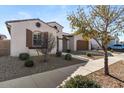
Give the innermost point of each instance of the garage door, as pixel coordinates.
(82, 45)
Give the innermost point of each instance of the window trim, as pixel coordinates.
(35, 46)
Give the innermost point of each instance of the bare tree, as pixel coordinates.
(100, 23)
(46, 45)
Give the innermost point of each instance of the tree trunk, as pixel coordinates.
(45, 56)
(106, 68)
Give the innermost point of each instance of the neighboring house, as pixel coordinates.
(114, 40)
(2, 37)
(121, 42)
(4, 45)
(77, 43)
(95, 45)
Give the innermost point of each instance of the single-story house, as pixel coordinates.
(25, 34)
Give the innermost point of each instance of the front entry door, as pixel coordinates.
(64, 44)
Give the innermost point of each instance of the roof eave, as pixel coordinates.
(7, 23)
(56, 23)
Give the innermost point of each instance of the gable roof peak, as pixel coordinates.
(34, 19)
(55, 22)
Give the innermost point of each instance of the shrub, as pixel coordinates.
(89, 54)
(68, 50)
(68, 57)
(58, 54)
(29, 63)
(109, 48)
(83, 53)
(24, 56)
(80, 82)
(112, 50)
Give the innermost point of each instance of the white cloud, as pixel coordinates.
(24, 15)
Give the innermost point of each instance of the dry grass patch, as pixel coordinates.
(116, 78)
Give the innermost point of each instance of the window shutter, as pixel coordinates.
(28, 38)
(46, 39)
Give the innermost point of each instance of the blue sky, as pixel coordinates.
(48, 13)
(56, 13)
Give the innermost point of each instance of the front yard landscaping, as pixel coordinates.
(13, 67)
(93, 54)
(116, 78)
(80, 82)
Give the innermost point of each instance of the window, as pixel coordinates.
(38, 24)
(38, 39)
(117, 45)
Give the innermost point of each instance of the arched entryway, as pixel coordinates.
(65, 43)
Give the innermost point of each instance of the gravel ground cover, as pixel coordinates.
(12, 67)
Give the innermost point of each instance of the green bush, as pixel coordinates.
(68, 50)
(112, 50)
(80, 82)
(58, 54)
(68, 57)
(29, 63)
(24, 56)
(84, 53)
(89, 54)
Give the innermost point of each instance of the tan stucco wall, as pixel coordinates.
(57, 25)
(18, 36)
(71, 43)
(59, 34)
(95, 45)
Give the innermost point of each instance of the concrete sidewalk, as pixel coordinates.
(49, 79)
(52, 79)
(94, 65)
(78, 57)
